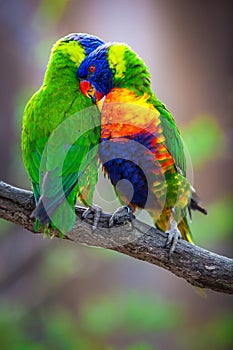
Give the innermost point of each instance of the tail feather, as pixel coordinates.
(194, 204)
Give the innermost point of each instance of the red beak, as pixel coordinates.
(84, 87)
(88, 90)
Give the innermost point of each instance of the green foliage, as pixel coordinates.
(12, 335)
(61, 332)
(204, 139)
(58, 330)
(217, 226)
(137, 313)
(98, 320)
(55, 270)
(215, 334)
(126, 314)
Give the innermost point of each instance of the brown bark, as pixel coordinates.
(196, 265)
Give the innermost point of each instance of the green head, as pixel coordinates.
(114, 65)
(71, 50)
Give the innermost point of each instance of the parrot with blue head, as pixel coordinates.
(140, 142)
(60, 136)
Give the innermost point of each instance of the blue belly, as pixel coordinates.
(128, 159)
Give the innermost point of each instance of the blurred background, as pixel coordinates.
(58, 295)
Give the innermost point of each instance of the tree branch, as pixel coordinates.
(197, 266)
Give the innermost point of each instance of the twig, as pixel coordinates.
(196, 265)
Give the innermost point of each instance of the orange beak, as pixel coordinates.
(89, 91)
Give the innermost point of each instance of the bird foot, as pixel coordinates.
(173, 237)
(121, 215)
(97, 211)
(47, 232)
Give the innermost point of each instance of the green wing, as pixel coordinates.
(172, 136)
(58, 161)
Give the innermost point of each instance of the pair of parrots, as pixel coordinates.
(64, 136)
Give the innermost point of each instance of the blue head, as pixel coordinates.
(96, 71)
(88, 42)
(113, 65)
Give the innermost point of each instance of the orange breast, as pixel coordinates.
(125, 114)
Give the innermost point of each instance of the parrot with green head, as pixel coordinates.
(60, 136)
(140, 142)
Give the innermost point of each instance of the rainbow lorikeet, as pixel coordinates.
(60, 135)
(140, 142)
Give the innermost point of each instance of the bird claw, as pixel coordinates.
(47, 232)
(97, 214)
(121, 215)
(173, 237)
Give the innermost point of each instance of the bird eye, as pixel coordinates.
(92, 69)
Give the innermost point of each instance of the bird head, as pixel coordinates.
(74, 47)
(95, 75)
(111, 65)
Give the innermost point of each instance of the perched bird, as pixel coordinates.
(59, 145)
(140, 142)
